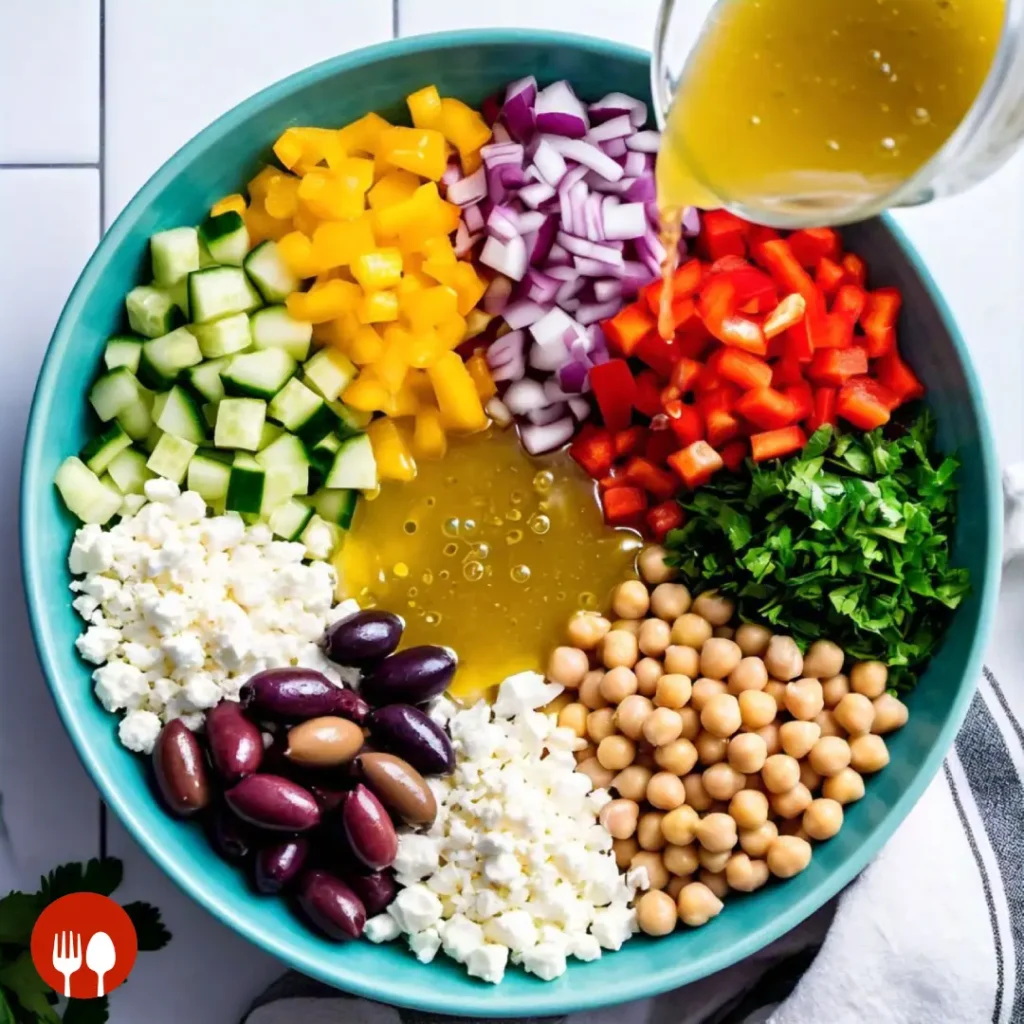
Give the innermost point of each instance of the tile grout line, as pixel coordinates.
(395, 23)
(28, 166)
(101, 167)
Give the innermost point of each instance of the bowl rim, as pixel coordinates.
(393, 990)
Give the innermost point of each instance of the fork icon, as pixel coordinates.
(67, 957)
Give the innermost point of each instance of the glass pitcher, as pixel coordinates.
(984, 141)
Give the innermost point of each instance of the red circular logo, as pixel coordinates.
(84, 945)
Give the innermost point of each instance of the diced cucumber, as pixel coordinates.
(354, 466)
(330, 373)
(210, 414)
(226, 238)
(220, 291)
(275, 327)
(270, 273)
(289, 453)
(277, 489)
(350, 421)
(223, 337)
(240, 423)
(321, 538)
(208, 477)
(129, 472)
(338, 507)
(205, 381)
(246, 481)
(131, 504)
(123, 350)
(218, 454)
(151, 311)
(175, 254)
(301, 411)
(258, 374)
(271, 432)
(137, 419)
(177, 413)
(164, 358)
(113, 392)
(85, 495)
(152, 439)
(100, 451)
(170, 457)
(290, 519)
(179, 295)
(321, 458)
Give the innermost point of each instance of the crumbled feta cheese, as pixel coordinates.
(415, 909)
(460, 937)
(546, 960)
(138, 731)
(488, 963)
(382, 928)
(425, 944)
(613, 926)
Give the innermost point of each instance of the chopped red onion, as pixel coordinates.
(573, 376)
(531, 220)
(559, 256)
(535, 194)
(507, 258)
(587, 155)
(580, 408)
(614, 128)
(452, 174)
(474, 218)
(620, 187)
(548, 414)
(525, 396)
(591, 313)
(538, 243)
(464, 241)
(592, 268)
(523, 313)
(549, 163)
(644, 142)
(615, 148)
(626, 220)
(642, 190)
(502, 154)
(506, 349)
(691, 222)
(498, 411)
(518, 109)
(616, 103)
(551, 328)
(634, 165)
(503, 223)
(583, 247)
(500, 133)
(593, 218)
(568, 290)
(541, 440)
(470, 189)
(514, 369)
(557, 110)
(540, 287)
(607, 289)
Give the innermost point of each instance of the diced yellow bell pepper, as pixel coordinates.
(320, 145)
(410, 283)
(429, 307)
(391, 453)
(323, 301)
(418, 349)
(366, 394)
(257, 188)
(459, 403)
(471, 161)
(469, 286)
(338, 243)
(452, 332)
(420, 150)
(306, 222)
(425, 107)
(363, 135)
(234, 203)
(429, 440)
(423, 215)
(262, 226)
(288, 148)
(282, 198)
(297, 252)
(476, 322)
(380, 268)
(395, 187)
(404, 402)
(377, 307)
(419, 383)
(346, 327)
(462, 126)
(366, 347)
(440, 260)
(478, 369)
(390, 369)
(335, 195)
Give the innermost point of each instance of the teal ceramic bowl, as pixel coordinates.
(472, 65)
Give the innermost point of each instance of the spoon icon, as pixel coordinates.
(100, 958)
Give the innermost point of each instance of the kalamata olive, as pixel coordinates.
(376, 890)
(364, 638)
(323, 742)
(368, 829)
(412, 676)
(294, 694)
(274, 803)
(406, 731)
(231, 837)
(398, 786)
(236, 744)
(327, 797)
(331, 906)
(275, 866)
(180, 770)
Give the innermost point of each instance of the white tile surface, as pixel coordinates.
(49, 81)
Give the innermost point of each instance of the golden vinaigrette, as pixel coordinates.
(823, 105)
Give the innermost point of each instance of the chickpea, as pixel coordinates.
(783, 658)
(696, 795)
(680, 860)
(712, 863)
(654, 637)
(749, 674)
(845, 787)
(716, 832)
(620, 817)
(590, 690)
(890, 714)
(618, 684)
(716, 880)
(834, 690)
(869, 678)
(757, 708)
(724, 633)
(780, 773)
(829, 755)
(756, 841)
(648, 831)
(710, 748)
(823, 660)
(691, 630)
(770, 734)
(673, 691)
(826, 721)
(631, 782)
(663, 726)
(703, 690)
(797, 738)
(793, 802)
(823, 818)
(697, 904)
(804, 699)
(677, 757)
(793, 827)
(679, 827)
(777, 691)
(855, 713)
(788, 856)
(753, 639)
(616, 752)
(719, 657)
(651, 563)
(656, 913)
(674, 887)
(568, 666)
(670, 600)
(749, 809)
(716, 609)
(631, 715)
(625, 850)
(744, 874)
(585, 753)
(809, 777)
(747, 753)
(630, 600)
(721, 715)
(600, 724)
(619, 649)
(600, 777)
(563, 700)
(574, 716)
(683, 661)
(666, 791)
(868, 754)
(721, 782)
(586, 630)
(657, 873)
(691, 723)
(648, 672)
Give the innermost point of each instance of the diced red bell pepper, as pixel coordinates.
(728, 264)
(624, 505)
(717, 300)
(879, 321)
(616, 478)
(693, 339)
(786, 371)
(803, 397)
(629, 441)
(724, 397)
(648, 393)
(776, 444)
(664, 517)
(788, 313)
(756, 292)
(850, 302)
(767, 408)
(660, 445)
(856, 270)
(824, 410)
(832, 331)
(734, 453)
(811, 245)
(685, 374)
(709, 379)
(593, 450)
(758, 235)
(744, 370)
(779, 260)
(722, 234)
(865, 403)
(898, 377)
(799, 347)
(828, 276)
(696, 464)
(615, 390)
(741, 332)
(721, 426)
(659, 353)
(657, 482)
(686, 422)
(628, 328)
(835, 366)
(685, 282)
